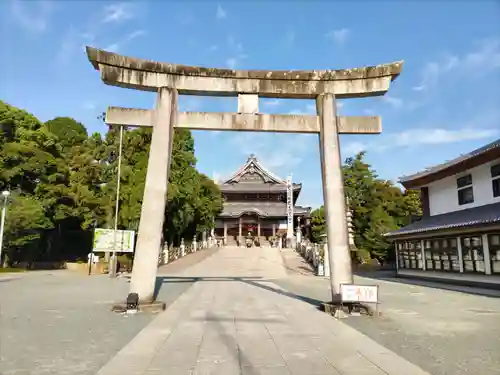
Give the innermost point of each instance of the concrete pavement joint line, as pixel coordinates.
(178, 326)
(288, 329)
(205, 323)
(276, 346)
(363, 341)
(289, 316)
(123, 362)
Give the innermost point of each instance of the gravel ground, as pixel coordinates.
(60, 322)
(444, 332)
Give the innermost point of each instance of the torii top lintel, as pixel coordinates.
(146, 75)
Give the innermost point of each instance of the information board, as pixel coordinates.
(359, 293)
(104, 240)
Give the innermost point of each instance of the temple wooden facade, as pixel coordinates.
(255, 203)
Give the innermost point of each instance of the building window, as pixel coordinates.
(495, 180)
(465, 190)
(409, 254)
(441, 254)
(494, 246)
(472, 254)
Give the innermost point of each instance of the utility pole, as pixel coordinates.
(112, 263)
(5, 195)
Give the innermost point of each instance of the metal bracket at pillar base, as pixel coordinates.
(146, 307)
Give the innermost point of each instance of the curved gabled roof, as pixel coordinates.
(253, 166)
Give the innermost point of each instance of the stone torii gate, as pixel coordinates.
(170, 80)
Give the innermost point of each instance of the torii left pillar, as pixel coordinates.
(155, 192)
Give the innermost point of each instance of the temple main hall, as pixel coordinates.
(255, 203)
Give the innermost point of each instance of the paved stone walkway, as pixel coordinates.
(235, 320)
(59, 322)
(420, 321)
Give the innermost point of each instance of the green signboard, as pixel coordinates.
(104, 240)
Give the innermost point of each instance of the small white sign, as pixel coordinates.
(359, 293)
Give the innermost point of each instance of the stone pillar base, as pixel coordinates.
(147, 307)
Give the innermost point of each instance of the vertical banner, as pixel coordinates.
(289, 207)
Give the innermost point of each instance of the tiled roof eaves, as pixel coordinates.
(469, 217)
(434, 228)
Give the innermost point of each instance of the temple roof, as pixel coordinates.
(254, 177)
(253, 167)
(263, 209)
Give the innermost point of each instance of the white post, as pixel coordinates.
(165, 253)
(182, 247)
(333, 195)
(486, 254)
(422, 251)
(112, 264)
(460, 255)
(289, 211)
(5, 195)
(326, 257)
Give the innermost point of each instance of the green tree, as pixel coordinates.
(318, 224)
(377, 206)
(24, 225)
(68, 131)
(64, 182)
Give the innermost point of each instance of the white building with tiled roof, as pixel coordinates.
(458, 236)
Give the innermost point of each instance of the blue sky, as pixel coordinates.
(445, 102)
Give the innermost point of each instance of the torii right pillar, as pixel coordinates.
(339, 257)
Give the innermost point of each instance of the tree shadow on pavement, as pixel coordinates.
(258, 282)
(234, 347)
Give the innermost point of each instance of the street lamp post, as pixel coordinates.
(112, 268)
(5, 196)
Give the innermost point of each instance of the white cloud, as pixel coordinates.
(339, 36)
(273, 103)
(118, 12)
(352, 148)
(439, 136)
(116, 46)
(32, 16)
(434, 70)
(393, 101)
(221, 13)
(90, 106)
(72, 42)
(485, 57)
(276, 151)
(232, 62)
(237, 55)
(421, 137)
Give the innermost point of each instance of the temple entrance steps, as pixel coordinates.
(231, 241)
(232, 261)
(264, 241)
